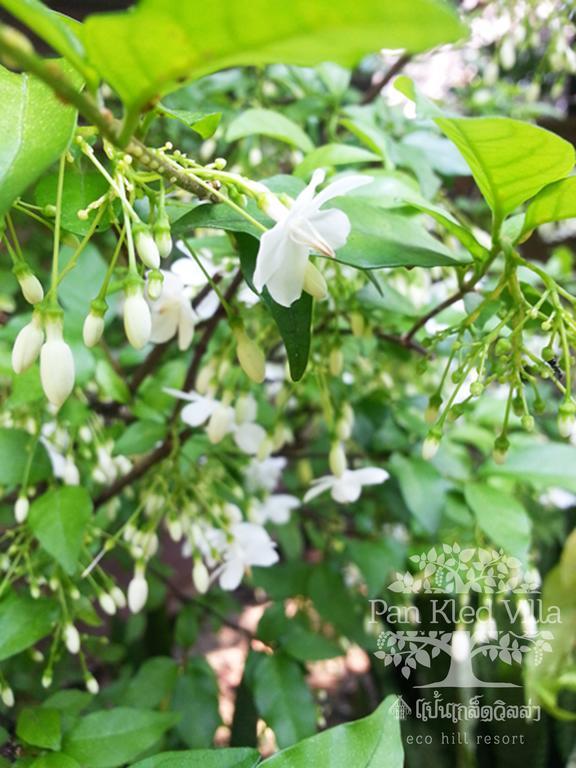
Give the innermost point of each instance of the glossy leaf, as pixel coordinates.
(142, 65)
(140, 437)
(266, 122)
(202, 123)
(554, 203)
(195, 700)
(58, 520)
(23, 621)
(283, 699)
(112, 737)
(35, 128)
(40, 727)
(15, 447)
(333, 155)
(80, 189)
(423, 489)
(203, 758)
(510, 160)
(55, 760)
(542, 466)
(373, 742)
(501, 516)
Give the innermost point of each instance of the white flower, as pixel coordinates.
(275, 509)
(264, 475)
(56, 365)
(172, 313)
(222, 420)
(284, 250)
(137, 591)
(27, 345)
(71, 638)
(137, 318)
(347, 488)
(250, 545)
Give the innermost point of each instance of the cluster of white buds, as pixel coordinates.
(250, 356)
(146, 246)
(29, 284)
(57, 371)
(137, 317)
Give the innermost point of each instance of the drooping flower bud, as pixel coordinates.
(56, 364)
(200, 577)
(94, 323)
(154, 282)
(21, 509)
(315, 283)
(162, 236)
(137, 317)
(219, 424)
(337, 460)
(71, 638)
(28, 344)
(500, 450)
(137, 590)
(107, 603)
(30, 285)
(118, 597)
(336, 361)
(250, 357)
(7, 696)
(146, 246)
(566, 418)
(92, 685)
(431, 444)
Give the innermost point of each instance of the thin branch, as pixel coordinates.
(377, 87)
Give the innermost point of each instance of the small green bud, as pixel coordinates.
(476, 388)
(548, 354)
(501, 447)
(503, 347)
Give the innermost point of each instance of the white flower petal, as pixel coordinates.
(319, 486)
(164, 324)
(231, 575)
(196, 413)
(339, 188)
(248, 437)
(287, 283)
(307, 195)
(186, 323)
(346, 489)
(370, 475)
(333, 226)
(271, 254)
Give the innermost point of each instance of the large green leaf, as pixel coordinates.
(58, 520)
(373, 742)
(35, 128)
(543, 466)
(554, 203)
(332, 155)
(195, 699)
(501, 516)
(267, 122)
(294, 322)
(203, 758)
(23, 621)
(110, 738)
(147, 52)
(40, 727)
(15, 447)
(55, 760)
(283, 699)
(57, 30)
(80, 189)
(423, 489)
(510, 160)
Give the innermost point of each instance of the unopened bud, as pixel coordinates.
(71, 638)
(137, 591)
(219, 423)
(500, 450)
(47, 678)
(163, 238)
(337, 460)
(357, 324)
(137, 317)
(250, 357)
(154, 282)
(7, 695)
(28, 344)
(566, 418)
(431, 412)
(118, 596)
(430, 445)
(29, 284)
(93, 328)
(336, 362)
(57, 371)
(146, 246)
(92, 685)
(200, 577)
(314, 282)
(107, 603)
(21, 509)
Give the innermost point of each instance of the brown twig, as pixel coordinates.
(377, 87)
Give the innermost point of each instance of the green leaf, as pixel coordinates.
(510, 160)
(58, 520)
(373, 742)
(112, 737)
(55, 760)
(377, 560)
(81, 284)
(501, 516)
(381, 239)
(154, 47)
(554, 203)
(423, 489)
(203, 758)
(80, 189)
(332, 155)
(541, 466)
(140, 437)
(202, 123)
(23, 621)
(57, 30)
(294, 322)
(15, 447)
(35, 127)
(154, 682)
(196, 700)
(283, 699)
(40, 727)
(112, 385)
(266, 122)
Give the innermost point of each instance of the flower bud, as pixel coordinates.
(107, 603)
(357, 324)
(30, 285)
(137, 317)
(47, 678)
(154, 282)
(93, 328)
(430, 445)
(431, 412)
(200, 577)
(314, 282)
(336, 361)
(21, 509)
(7, 696)
(118, 597)
(566, 418)
(265, 449)
(137, 591)
(163, 238)
(337, 460)
(146, 246)
(27, 345)
(92, 685)
(250, 357)
(56, 365)
(500, 450)
(219, 424)
(71, 638)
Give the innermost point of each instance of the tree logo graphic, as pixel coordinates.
(460, 573)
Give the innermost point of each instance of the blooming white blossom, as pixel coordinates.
(172, 313)
(27, 345)
(346, 488)
(250, 545)
(275, 509)
(282, 259)
(57, 371)
(264, 475)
